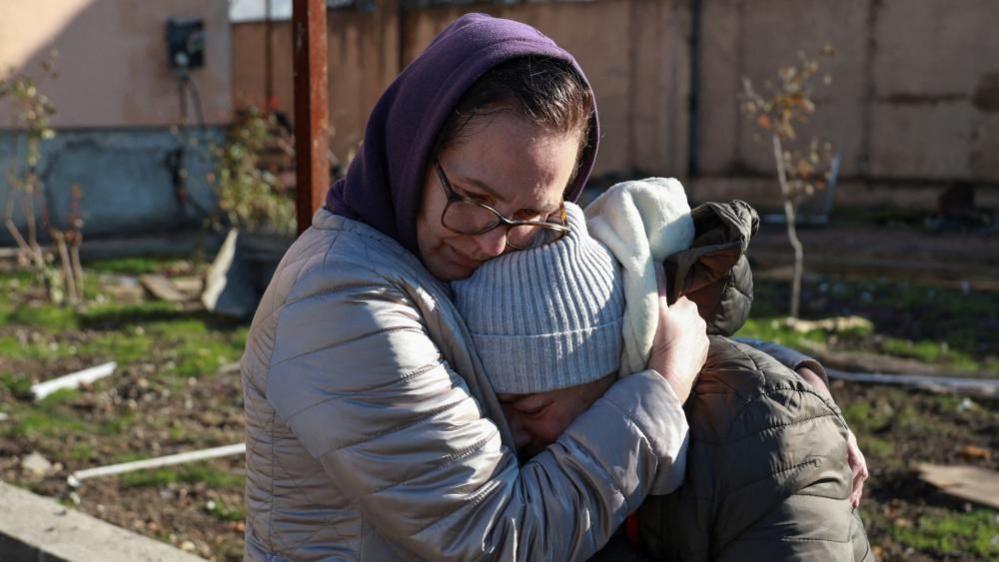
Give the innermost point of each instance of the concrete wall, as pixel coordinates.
(124, 175)
(116, 100)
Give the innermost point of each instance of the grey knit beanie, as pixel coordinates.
(548, 317)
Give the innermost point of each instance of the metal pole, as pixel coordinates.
(311, 109)
(693, 133)
(269, 102)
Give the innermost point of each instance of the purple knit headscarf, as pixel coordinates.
(384, 182)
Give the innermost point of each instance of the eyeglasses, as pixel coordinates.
(466, 216)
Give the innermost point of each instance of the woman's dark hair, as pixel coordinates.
(546, 92)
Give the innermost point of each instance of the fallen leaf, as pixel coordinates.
(973, 452)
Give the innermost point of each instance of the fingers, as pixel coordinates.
(858, 487)
(858, 491)
(858, 465)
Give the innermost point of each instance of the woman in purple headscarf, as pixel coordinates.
(372, 433)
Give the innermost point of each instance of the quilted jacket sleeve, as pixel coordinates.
(362, 386)
(790, 358)
(787, 497)
(768, 477)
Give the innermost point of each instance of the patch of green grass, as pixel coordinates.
(190, 474)
(41, 421)
(867, 418)
(178, 432)
(952, 533)
(909, 422)
(960, 318)
(12, 286)
(116, 426)
(63, 396)
(180, 329)
(930, 352)
(212, 477)
(124, 347)
(129, 266)
(83, 453)
(19, 386)
(892, 412)
(11, 348)
(198, 349)
(148, 478)
(876, 447)
(45, 316)
(205, 357)
(954, 301)
(222, 512)
(93, 286)
(115, 316)
(770, 329)
(11, 279)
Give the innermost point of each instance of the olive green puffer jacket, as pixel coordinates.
(767, 472)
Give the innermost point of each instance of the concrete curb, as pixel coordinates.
(38, 529)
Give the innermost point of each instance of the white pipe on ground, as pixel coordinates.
(73, 380)
(980, 387)
(179, 458)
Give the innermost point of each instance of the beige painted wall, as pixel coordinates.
(112, 59)
(362, 54)
(634, 52)
(914, 102)
(915, 93)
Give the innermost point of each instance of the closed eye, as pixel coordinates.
(531, 406)
(477, 197)
(529, 214)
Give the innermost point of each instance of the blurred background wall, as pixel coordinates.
(118, 117)
(913, 107)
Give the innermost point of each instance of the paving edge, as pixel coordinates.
(38, 529)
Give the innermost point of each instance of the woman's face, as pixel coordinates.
(515, 167)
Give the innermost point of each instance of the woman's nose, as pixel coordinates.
(492, 243)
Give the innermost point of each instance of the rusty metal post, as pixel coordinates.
(269, 101)
(312, 169)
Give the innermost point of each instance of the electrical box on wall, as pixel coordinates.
(186, 42)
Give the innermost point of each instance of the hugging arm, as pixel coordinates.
(362, 386)
(815, 375)
(794, 360)
(768, 475)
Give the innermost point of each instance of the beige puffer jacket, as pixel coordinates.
(373, 435)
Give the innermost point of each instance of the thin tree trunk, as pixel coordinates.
(74, 256)
(25, 250)
(28, 206)
(68, 280)
(792, 233)
(26, 255)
